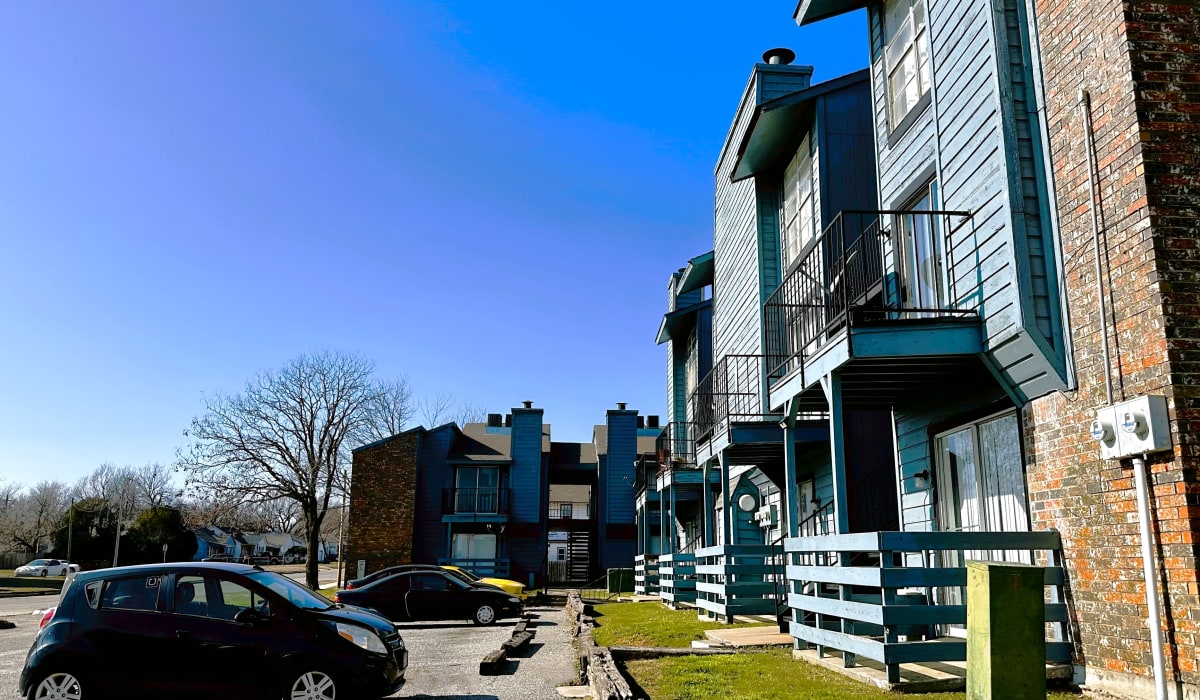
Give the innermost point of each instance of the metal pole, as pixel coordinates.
(342, 545)
(1085, 105)
(70, 529)
(1148, 570)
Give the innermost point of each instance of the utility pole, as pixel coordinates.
(70, 529)
(117, 544)
(342, 544)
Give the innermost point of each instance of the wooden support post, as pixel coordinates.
(709, 511)
(832, 384)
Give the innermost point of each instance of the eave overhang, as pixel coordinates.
(778, 126)
(809, 11)
(676, 323)
(697, 274)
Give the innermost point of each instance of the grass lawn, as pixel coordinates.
(752, 675)
(649, 624)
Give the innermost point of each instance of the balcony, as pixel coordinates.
(483, 504)
(849, 300)
(570, 510)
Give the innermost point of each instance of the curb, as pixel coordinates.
(597, 668)
(493, 663)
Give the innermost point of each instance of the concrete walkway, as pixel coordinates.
(748, 637)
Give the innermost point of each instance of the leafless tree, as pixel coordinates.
(153, 485)
(282, 437)
(34, 515)
(389, 413)
(467, 412)
(442, 407)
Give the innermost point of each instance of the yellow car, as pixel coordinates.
(517, 589)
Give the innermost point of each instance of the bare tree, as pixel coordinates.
(282, 438)
(153, 485)
(442, 407)
(468, 412)
(35, 514)
(389, 413)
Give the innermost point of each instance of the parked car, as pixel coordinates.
(219, 558)
(46, 567)
(208, 629)
(425, 594)
(382, 573)
(260, 559)
(513, 587)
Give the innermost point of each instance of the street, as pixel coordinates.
(444, 656)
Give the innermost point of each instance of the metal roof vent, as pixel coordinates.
(528, 404)
(620, 405)
(779, 56)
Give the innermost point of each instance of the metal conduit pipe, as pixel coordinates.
(1141, 483)
(1085, 105)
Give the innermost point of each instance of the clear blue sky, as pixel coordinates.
(487, 197)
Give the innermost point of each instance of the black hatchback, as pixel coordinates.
(209, 629)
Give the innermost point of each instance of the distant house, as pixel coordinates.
(213, 541)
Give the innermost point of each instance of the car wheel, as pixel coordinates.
(311, 685)
(485, 615)
(56, 685)
(45, 573)
(63, 572)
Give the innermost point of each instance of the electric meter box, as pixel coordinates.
(1134, 427)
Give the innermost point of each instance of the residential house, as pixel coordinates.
(500, 497)
(213, 541)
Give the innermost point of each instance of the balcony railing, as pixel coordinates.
(676, 447)
(738, 580)
(732, 391)
(856, 269)
(645, 574)
(570, 510)
(476, 501)
(677, 578)
(873, 594)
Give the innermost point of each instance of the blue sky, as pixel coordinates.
(485, 197)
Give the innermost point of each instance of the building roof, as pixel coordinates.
(697, 274)
(680, 321)
(479, 444)
(567, 454)
(809, 11)
(779, 125)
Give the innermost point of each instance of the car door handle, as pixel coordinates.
(182, 634)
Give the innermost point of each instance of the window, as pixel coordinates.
(905, 55)
(429, 582)
(922, 251)
(478, 490)
(980, 477)
(798, 223)
(134, 593)
(474, 546)
(214, 598)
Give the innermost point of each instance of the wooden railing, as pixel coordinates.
(736, 580)
(889, 585)
(677, 578)
(645, 574)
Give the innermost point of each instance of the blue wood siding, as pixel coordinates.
(525, 475)
(738, 240)
(433, 475)
(981, 139)
(622, 449)
(845, 154)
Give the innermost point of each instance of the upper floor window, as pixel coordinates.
(798, 224)
(906, 56)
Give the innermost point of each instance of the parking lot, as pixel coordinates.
(444, 656)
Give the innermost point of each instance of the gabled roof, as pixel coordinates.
(697, 274)
(477, 444)
(680, 321)
(778, 125)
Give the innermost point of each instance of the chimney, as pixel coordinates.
(620, 405)
(494, 420)
(779, 56)
(507, 420)
(651, 421)
(528, 404)
(641, 422)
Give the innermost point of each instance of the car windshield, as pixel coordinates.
(459, 575)
(470, 576)
(38, 562)
(296, 594)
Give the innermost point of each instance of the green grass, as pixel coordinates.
(649, 624)
(760, 675)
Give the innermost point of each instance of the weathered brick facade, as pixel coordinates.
(1140, 63)
(382, 503)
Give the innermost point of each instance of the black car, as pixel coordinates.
(432, 595)
(383, 573)
(210, 630)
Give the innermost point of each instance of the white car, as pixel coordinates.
(46, 567)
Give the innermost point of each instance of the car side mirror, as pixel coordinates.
(251, 617)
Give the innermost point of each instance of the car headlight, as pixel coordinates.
(514, 599)
(361, 637)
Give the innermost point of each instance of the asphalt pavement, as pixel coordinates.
(444, 656)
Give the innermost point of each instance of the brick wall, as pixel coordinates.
(1139, 62)
(382, 501)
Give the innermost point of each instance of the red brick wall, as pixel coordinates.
(1140, 63)
(382, 503)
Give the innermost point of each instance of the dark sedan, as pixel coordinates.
(389, 571)
(432, 595)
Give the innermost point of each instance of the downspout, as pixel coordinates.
(1153, 614)
(1085, 105)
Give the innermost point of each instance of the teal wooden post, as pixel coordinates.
(671, 520)
(662, 525)
(791, 489)
(727, 514)
(709, 512)
(832, 384)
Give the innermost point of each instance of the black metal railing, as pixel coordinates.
(476, 501)
(731, 392)
(570, 510)
(856, 269)
(676, 447)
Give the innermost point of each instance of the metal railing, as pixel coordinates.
(856, 269)
(476, 501)
(883, 586)
(570, 510)
(676, 447)
(731, 392)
